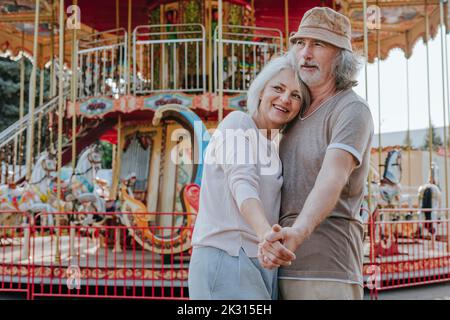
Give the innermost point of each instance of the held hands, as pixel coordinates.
(277, 248)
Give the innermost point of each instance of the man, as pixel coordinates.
(325, 157)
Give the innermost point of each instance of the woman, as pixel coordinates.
(240, 194)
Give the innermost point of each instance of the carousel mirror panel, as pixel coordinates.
(135, 161)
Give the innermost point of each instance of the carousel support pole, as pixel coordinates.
(60, 120)
(115, 148)
(130, 8)
(210, 34)
(74, 93)
(366, 50)
(408, 131)
(370, 220)
(366, 59)
(31, 97)
(444, 66)
(116, 176)
(162, 19)
(430, 133)
(52, 51)
(252, 6)
(73, 98)
(21, 102)
(379, 103)
(114, 170)
(286, 22)
(448, 106)
(219, 29)
(117, 15)
(52, 79)
(41, 102)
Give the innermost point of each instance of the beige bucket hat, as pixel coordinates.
(325, 24)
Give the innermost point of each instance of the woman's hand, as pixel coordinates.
(277, 248)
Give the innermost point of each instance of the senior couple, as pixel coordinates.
(284, 223)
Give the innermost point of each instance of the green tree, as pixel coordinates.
(10, 90)
(436, 140)
(407, 141)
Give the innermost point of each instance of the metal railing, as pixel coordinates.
(139, 261)
(407, 247)
(245, 52)
(92, 261)
(102, 64)
(13, 140)
(21, 125)
(168, 58)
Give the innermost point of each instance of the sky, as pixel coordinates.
(393, 93)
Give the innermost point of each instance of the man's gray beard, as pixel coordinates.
(311, 80)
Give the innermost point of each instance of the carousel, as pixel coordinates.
(101, 172)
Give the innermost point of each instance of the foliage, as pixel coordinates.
(155, 15)
(407, 142)
(106, 149)
(192, 12)
(10, 90)
(436, 139)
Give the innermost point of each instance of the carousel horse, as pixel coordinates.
(430, 198)
(366, 212)
(385, 191)
(128, 202)
(390, 183)
(42, 181)
(145, 233)
(15, 199)
(34, 196)
(83, 179)
(82, 186)
(384, 194)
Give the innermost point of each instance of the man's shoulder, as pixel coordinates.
(350, 103)
(351, 98)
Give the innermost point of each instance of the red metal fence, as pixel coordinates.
(406, 247)
(95, 261)
(95, 256)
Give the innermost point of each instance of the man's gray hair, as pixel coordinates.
(346, 66)
(270, 70)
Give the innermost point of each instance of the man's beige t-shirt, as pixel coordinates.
(334, 251)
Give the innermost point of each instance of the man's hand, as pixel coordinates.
(274, 251)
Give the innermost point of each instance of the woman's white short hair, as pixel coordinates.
(270, 70)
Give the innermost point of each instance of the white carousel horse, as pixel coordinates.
(384, 194)
(34, 196)
(41, 183)
(83, 187)
(430, 197)
(83, 180)
(390, 183)
(385, 191)
(15, 199)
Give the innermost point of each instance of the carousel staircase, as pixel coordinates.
(20, 126)
(10, 137)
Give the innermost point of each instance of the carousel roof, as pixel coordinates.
(402, 21)
(402, 24)
(17, 29)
